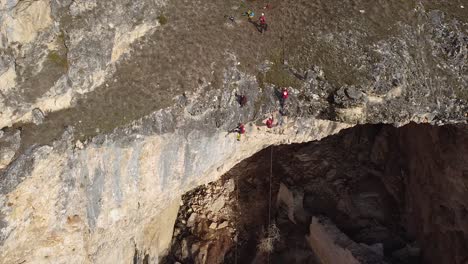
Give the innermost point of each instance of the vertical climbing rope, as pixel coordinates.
(238, 213)
(269, 199)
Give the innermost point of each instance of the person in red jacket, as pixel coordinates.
(239, 129)
(284, 96)
(269, 122)
(263, 24)
(285, 93)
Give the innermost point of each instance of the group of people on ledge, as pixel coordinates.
(242, 100)
(260, 24)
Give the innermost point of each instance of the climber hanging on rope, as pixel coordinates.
(240, 129)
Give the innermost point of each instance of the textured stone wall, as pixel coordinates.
(121, 106)
(436, 193)
(323, 239)
(100, 203)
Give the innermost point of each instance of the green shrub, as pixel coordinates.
(162, 19)
(278, 74)
(58, 59)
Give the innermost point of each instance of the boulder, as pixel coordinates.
(217, 205)
(191, 221)
(223, 225)
(37, 116)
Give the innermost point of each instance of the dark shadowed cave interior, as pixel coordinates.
(370, 194)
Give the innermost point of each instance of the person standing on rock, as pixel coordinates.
(263, 24)
(284, 96)
(269, 122)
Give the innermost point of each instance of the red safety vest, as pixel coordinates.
(269, 123)
(241, 129)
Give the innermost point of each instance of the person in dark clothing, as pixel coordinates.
(242, 100)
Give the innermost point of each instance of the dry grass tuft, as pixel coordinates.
(267, 243)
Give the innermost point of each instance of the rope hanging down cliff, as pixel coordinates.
(269, 197)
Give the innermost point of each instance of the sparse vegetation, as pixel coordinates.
(267, 243)
(162, 19)
(278, 74)
(258, 104)
(61, 38)
(261, 79)
(58, 59)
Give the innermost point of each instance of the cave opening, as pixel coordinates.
(369, 194)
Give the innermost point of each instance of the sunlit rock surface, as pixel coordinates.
(136, 98)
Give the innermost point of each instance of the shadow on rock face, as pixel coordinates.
(365, 188)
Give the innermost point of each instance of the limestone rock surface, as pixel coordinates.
(137, 98)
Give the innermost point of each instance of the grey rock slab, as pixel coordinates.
(223, 225)
(37, 116)
(213, 225)
(217, 205)
(230, 186)
(9, 144)
(192, 220)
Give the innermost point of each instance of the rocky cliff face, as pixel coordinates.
(370, 194)
(436, 193)
(61, 201)
(110, 110)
